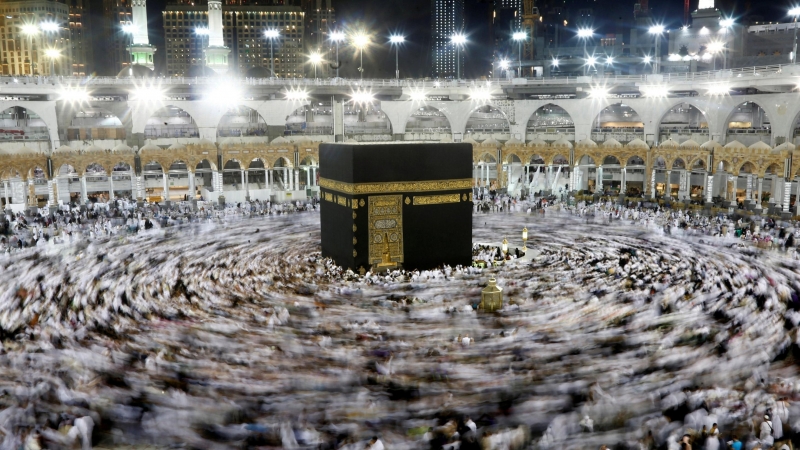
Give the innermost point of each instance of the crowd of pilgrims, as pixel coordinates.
(622, 327)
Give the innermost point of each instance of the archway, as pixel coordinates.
(308, 172)
(95, 124)
(154, 180)
(13, 186)
(683, 122)
(171, 122)
(488, 121)
(366, 119)
(551, 122)
(282, 174)
(586, 173)
(178, 185)
(96, 182)
(743, 188)
(634, 176)
(427, 123)
(69, 184)
(660, 176)
(18, 123)
(313, 119)
(748, 124)
(232, 176)
(204, 178)
(40, 190)
(609, 176)
(485, 172)
(698, 181)
(121, 182)
(241, 121)
(618, 121)
(770, 183)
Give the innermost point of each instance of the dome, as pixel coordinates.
(205, 143)
(230, 141)
(279, 140)
(122, 148)
(561, 142)
(735, 144)
(611, 143)
(786, 146)
(760, 146)
(641, 145)
(446, 139)
(587, 143)
(135, 71)
(257, 72)
(18, 151)
(64, 149)
(177, 146)
(711, 145)
(514, 141)
(537, 143)
(669, 143)
(150, 147)
(200, 71)
(690, 144)
(469, 140)
(93, 149)
(490, 142)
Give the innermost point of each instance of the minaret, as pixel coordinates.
(706, 4)
(141, 50)
(216, 52)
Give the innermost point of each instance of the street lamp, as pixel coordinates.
(396, 40)
(726, 23)
(30, 31)
(315, 58)
(49, 28)
(795, 12)
(714, 48)
(271, 34)
(658, 30)
(520, 36)
(337, 37)
(360, 41)
(585, 34)
(129, 29)
(458, 39)
(52, 53)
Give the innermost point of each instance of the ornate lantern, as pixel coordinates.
(491, 297)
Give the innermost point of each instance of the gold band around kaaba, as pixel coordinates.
(395, 187)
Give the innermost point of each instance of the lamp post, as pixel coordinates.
(272, 34)
(360, 41)
(585, 34)
(337, 37)
(315, 59)
(202, 33)
(396, 41)
(714, 48)
(504, 247)
(458, 40)
(128, 29)
(30, 31)
(794, 12)
(525, 239)
(520, 36)
(727, 23)
(49, 28)
(52, 53)
(658, 30)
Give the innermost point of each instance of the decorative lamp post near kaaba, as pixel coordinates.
(386, 206)
(525, 239)
(504, 247)
(491, 297)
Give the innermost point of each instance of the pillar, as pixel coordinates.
(748, 190)
(787, 193)
(598, 174)
(668, 184)
(6, 185)
(758, 195)
(192, 187)
(246, 184)
(52, 189)
(296, 179)
(623, 186)
(166, 187)
(508, 175)
(111, 187)
(269, 178)
(705, 184)
(709, 184)
(487, 174)
(308, 177)
(84, 196)
(797, 199)
(241, 176)
(653, 184)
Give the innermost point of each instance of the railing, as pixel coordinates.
(739, 73)
(442, 130)
(759, 131)
(239, 132)
(158, 132)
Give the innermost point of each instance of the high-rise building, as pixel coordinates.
(243, 34)
(447, 19)
(113, 41)
(81, 32)
(36, 38)
(320, 20)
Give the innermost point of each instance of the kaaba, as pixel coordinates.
(396, 205)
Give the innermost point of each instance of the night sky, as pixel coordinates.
(412, 18)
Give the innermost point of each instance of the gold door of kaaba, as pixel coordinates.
(385, 224)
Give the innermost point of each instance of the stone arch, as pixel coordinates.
(22, 123)
(697, 163)
(550, 116)
(89, 123)
(67, 169)
(428, 119)
(262, 161)
(611, 160)
(585, 160)
(617, 121)
(309, 160)
(206, 164)
(537, 159)
(660, 163)
(37, 173)
(723, 165)
(322, 113)
(772, 169)
(513, 157)
(121, 166)
(171, 122)
(487, 157)
(95, 168)
(678, 164)
(635, 160)
(559, 160)
(684, 120)
(282, 161)
(747, 123)
(747, 167)
(242, 121)
(10, 172)
(487, 119)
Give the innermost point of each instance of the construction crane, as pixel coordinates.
(530, 17)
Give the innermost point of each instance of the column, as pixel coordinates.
(668, 184)
(192, 187)
(269, 178)
(166, 187)
(709, 185)
(758, 195)
(623, 187)
(241, 176)
(476, 173)
(653, 185)
(598, 174)
(5, 191)
(246, 183)
(508, 175)
(84, 196)
(748, 191)
(705, 184)
(296, 179)
(308, 177)
(52, 189)
(797, 199)
(787, 194)
(111, 187)
(487, 174)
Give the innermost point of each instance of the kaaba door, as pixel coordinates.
(385, 223)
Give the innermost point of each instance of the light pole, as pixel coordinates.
(315, 58)
(128, 29)
(337, 37)
(396, 40)
(794, 12)
(48, 28)
(271, 34)
(585, 34)
(714, 48)
(458, 40)
(30, 31)
(727, 23)
(658, 30)
(360, 41)
(520, 36)
(52, 53)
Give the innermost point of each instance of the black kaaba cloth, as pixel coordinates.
(412, 202)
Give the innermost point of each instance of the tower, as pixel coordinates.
(216, 52)
(529, 18)
(141, 50)
(706, 4)
(447, 19)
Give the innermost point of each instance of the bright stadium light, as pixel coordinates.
(657, 29)
(360, 97)
(272, 33)
(48, 26)
(585, 33)
(658, 91)
(148, 94)
(30, 30)
(73, 95)
(555, 62)
(504, 64)
(719, 89)
(480, 95)
(647, 59)
(418, 95)
(397, 39)
(598, 92)
(519, 36)
(458, 39)
(296, 95)
(727, 23)
(131, 28)
(337, 36)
